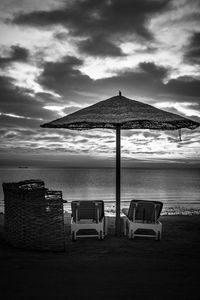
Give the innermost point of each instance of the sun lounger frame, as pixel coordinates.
(99, 224)
(133, 225)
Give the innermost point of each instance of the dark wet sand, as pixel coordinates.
(116, 268)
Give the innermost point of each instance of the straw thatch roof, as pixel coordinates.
(127, 113)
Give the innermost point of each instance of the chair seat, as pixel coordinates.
(86, 221)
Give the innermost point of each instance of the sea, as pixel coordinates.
(178, 189)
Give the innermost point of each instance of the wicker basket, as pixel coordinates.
(33, 216)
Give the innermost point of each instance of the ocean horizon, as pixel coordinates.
(178, 189)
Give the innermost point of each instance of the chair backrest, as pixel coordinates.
(87, 210)
(145, 210)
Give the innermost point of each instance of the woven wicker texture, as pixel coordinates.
(127, 113)
(33, 216)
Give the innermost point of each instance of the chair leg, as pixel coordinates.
(158, 235)
(124, 220)
(129, 233)
(73, 235)
(105, 226)
(101, 236)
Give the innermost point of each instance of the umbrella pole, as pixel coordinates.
(118, 180)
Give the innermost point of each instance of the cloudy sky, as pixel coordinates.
(57, 56)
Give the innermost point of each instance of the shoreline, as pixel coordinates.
(67, 216)
(190, 209)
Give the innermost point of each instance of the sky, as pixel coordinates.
(57, 57)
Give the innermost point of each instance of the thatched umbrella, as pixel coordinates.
(119, 113)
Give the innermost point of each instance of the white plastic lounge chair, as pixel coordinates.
(142, 217)
(88, 216)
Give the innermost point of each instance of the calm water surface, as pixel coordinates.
(179, 189)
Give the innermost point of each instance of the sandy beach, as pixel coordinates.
(116, 268)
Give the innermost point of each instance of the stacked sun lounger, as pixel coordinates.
(33, 216)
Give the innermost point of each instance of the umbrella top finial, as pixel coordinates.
(120, 93)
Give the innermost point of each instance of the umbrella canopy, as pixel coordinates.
(119, 113)
(127, 113)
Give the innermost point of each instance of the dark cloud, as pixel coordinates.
(185, 85)
(17, 54)
(158, 72)
(139, 82)
(17, 101)
(64, 76)
(145, 81)
(192, 54)
(148, 82)
(93, 18)
(99, 46)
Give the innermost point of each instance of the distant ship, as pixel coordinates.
(23, 167)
